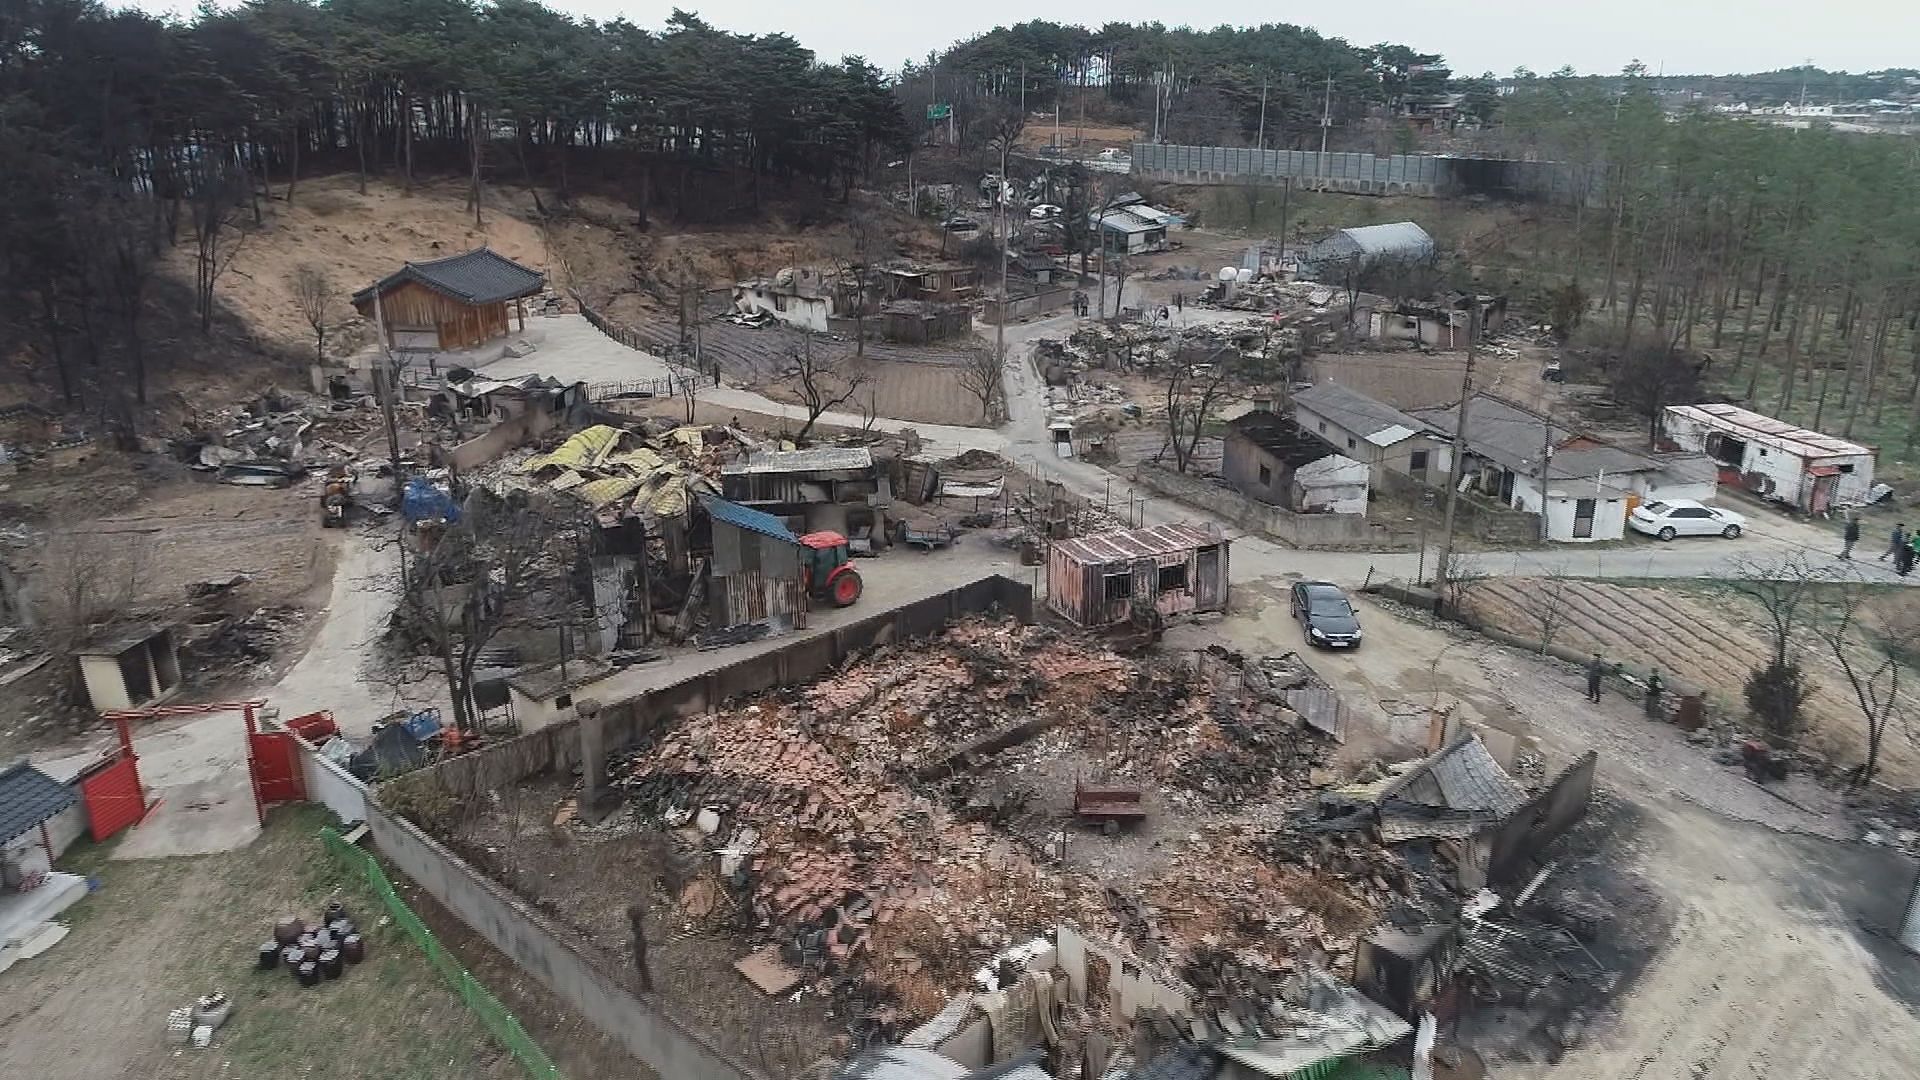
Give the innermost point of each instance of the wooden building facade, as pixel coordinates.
(454, 303)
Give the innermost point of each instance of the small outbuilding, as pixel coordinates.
(1099, 580)
(1808, 470)
(1269, 458)
(1365, 245)
(457, 302)
(130, 668)
(756, 569)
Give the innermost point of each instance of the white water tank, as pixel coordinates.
(1228, 273)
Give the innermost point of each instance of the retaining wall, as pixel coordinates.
(1368, 174)
(1336, 532)
(623, 722)
(549, 953)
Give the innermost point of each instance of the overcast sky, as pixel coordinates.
(1683, 36)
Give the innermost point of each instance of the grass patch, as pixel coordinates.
(160, 932)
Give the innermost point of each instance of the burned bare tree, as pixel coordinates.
(493, 565)
(1874, 646)
(87, 581)
(1545, 603)
(1194, 392)
(313, 295)
(823, 380)
(982, 375)
(865, 245)
(220, 190)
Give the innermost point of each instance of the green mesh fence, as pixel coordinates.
(493, 1016)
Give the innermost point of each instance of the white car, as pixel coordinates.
(1684, 517)
(1043, 212)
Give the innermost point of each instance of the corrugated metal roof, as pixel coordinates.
(29, 797)
(1463, 776)
(745, 517)
(1778, 434)
(819, 459)
(1395, 238)
(1123, 544)
(481, 276)
(586, 448)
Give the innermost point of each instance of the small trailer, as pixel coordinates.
(926, 537)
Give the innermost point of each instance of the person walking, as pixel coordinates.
(1898, 541)
(1596, 669)
(1903, 557)
(1849, 536)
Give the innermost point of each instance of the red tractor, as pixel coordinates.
(827, 569)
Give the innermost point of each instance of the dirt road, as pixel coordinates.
(1769, 971)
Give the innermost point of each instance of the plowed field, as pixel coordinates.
(1713, 641)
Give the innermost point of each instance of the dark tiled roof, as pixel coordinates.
(1355, 411)
(1464, 776)
(477, 277)
(29, 797)
(1500, 431)
(1278, 435)
(746, 517)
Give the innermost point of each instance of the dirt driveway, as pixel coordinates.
(1771, 969)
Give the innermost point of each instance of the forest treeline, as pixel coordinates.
(1786, 254)
(122, 134)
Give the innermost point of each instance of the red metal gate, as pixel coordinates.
(274, 761)
(113, 796)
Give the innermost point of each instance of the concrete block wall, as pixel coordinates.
(1335, 532)
(1368, 174)
(1541, 821)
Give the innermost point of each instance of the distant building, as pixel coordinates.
(1125, 232)
(1776, 460)
(1440, 324)
(798, 296)
(459, 302)
(1269, 458)
(945, 283)
(1369, 244)
(1584, 486)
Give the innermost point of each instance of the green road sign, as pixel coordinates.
(939, 112)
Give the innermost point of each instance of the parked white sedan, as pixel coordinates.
(1684, 517)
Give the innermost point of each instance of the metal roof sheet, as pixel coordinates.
(745, 517)
(1463, 776)
(481, 276)
(1124, 544)
(1778, 434)
(29, 797)
(819, 459)
(1394, 238)
(1358, 413)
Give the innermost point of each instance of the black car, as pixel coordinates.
(1326, 616)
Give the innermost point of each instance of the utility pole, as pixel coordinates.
(1546, 461)
(1260, 134)
(1023, 88)
(1326, 125)
(1000, 324)
(1440, 567)
(1286, 189)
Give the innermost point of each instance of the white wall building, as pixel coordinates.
(1806, 469)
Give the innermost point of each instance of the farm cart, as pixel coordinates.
(926, 537)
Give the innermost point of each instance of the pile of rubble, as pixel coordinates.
(274, 439)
